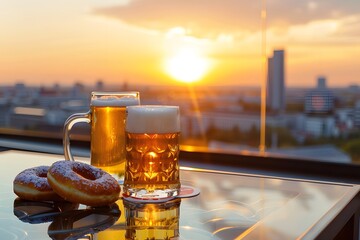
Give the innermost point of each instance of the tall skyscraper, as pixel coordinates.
(276, 82)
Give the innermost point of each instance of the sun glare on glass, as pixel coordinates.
(187, 66)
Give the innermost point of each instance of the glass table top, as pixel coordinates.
(230, 206)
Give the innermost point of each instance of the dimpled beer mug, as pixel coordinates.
(152, 151)
(106, 117)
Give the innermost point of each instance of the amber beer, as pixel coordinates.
(152, 151)
(107, 117)
(152, 221)
(108, 134)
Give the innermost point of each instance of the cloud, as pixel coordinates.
(200, 18)
(351, 28)
(210, 19)
(301, 12)
(326, 32)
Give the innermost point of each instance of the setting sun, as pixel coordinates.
(187, 65)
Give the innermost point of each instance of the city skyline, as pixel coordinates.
(65, 42)
(92, 83)
(229, 117)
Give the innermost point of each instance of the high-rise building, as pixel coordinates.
(276, 82)
(319, 100)
(99, 86)
(356, 115)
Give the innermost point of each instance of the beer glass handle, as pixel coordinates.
(69, 123)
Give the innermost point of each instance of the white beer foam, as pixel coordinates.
(115, 102)
(153, 119)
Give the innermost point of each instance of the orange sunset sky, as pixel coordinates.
(217, 42)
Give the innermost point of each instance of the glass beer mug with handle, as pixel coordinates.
(106, 117)
(152, 151)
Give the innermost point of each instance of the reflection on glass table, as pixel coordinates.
(230, 206)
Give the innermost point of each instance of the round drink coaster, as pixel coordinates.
(185, 192)
(188, 192)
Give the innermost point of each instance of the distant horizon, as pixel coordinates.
(154, 85)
